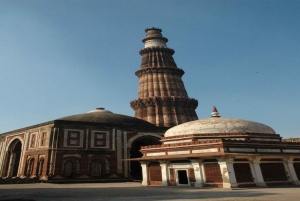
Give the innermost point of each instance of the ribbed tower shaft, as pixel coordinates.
(162, 98)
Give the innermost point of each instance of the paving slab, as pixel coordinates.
(134, 191)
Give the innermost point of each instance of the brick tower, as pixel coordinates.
(162, 98)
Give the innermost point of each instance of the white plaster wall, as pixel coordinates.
(155, 42)
(205, 150)
(177, 141)
(156, 154)
(178, 152)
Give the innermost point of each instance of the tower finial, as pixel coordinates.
(215, 112)
(154, 38)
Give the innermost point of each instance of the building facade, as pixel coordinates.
(221, 152)
(162, 98)
(89, 146)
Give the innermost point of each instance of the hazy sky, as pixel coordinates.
(60, 58)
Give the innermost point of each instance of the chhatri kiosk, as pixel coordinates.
(221, 152)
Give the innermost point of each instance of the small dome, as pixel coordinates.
(102, 116)
(100, 109)
(219, 125)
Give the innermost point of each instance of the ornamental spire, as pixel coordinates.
(215, 112)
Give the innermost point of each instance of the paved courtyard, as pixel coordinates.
(134, 191)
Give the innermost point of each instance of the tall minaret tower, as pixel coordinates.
(162, 98)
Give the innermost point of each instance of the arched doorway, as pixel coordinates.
(68, 168)
(71, 168)
(12, 159)
(135, 166)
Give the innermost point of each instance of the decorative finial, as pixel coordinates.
(215, 112)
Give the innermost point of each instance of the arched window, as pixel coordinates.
(40, 167)
(29, 167)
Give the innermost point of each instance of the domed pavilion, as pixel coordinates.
(221, 152)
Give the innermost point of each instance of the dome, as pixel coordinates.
(219, 125)
(216, 124)
(102, 116)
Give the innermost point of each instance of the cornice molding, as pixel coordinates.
(167, 70)
(165, 101)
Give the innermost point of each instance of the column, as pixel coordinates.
(11, 164)
(198, 173)
(227, 171)
(145, 173)
(125, 154)
(258, 178)
(119, 152)
(164, 172)
(289, 167)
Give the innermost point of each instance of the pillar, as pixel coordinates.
(145, 173)
(164, 173)
(258, 178)
(198, 173)
(289, 166)
(227, 171)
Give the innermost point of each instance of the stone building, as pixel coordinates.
(221, 152)
(84, 146)
(162, 98)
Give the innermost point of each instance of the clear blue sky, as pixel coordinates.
(59, 58)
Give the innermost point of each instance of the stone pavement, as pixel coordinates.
(134, 191)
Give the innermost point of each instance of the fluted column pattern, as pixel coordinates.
(162, 98)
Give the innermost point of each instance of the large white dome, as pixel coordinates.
(219, 125)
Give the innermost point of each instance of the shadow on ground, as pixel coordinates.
(127, 192)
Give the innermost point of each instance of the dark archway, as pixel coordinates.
(71, 167)
(12, 159)
(17, 154)
(135, 166)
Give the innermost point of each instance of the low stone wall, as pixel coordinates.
(18, 180)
